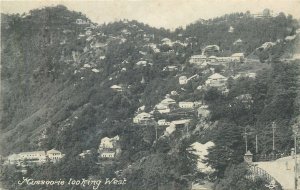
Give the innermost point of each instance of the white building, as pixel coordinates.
(167, 41)
(116, 88)
(142, 63)
(162, 108)
(198, 59)
(231, 29)
(238, 42)
(109, 147)
(216, 80)
(183, 80)
(81, 21)
(142, 118)
(85, 153)
(108, 154)
(54, 155)
(180, 123)
(170, 68)
(238, 57)
(163, 122)
(168, 101)
(36, 156)
(186, 105)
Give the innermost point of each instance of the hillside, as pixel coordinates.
(67, 83)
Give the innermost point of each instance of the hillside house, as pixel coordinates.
(223, 59)
(142, 118)
(162, 108)
(170, 68)
(290, 38)
(108, 154)
(183, 80)
(163, 122)
(238, 57)
(142, 63)
(167, 41)
(216, 80)
(266, 46)
(116, 88)
(203, 112)
(231, 29)
(54, 155)
(81, 21)
(85, 153)
(186, 105)
(238, 42)
(38, 157)
(198, 59)
(211, 50)
(109, 147)
(168, 101)
(180, 123)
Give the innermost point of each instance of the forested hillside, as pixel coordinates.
(58, 78)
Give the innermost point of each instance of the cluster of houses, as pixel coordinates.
(203, 60)
(170, 106)
(38, 157)
(109, 149)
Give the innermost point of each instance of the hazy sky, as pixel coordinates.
(158, 13)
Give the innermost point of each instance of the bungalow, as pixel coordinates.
(54, 155)
(85, 153)
(186, 105)
(183, 80)
(81, 21)
(231, 29)
(116, 88)
(238, 42)
(238, 57)
(142, 63)
(170, 68)
(180, 123)
(36, 156)
(223, 59)
(168, 101)
(216, 80)
(163, 122)
(162, 108)
(167, 41)
(109, 147)
(198, 59)
(290, 38)
(108, 154)
(142, 118)
(108, 143)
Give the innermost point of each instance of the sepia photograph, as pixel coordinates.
(150, 95)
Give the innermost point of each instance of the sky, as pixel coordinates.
(158, 13)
